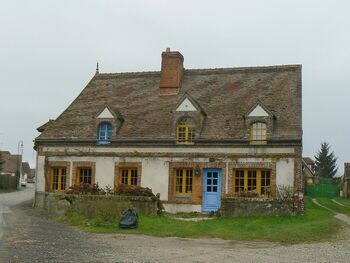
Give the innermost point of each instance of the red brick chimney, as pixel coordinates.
(172, 72)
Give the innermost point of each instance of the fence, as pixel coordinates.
(324, 188)
(8, 181)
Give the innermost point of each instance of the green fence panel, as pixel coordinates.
(323, 189)
(8, 181)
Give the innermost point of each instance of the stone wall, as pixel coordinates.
(233, 206)
(108, 208)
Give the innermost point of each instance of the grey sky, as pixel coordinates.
(49, 49)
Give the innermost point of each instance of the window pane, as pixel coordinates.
(258, 131)
(178, 182)
(239, 181)
(134, 177)
(189, 178)
(251, 180)
(85, 175)
(104, 132)
(124, 176)
(265, 182)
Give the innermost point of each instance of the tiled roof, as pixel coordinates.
(225, 95)
(308, 160)
(25, 167)
(11, 161)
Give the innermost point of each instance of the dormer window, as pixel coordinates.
(185, 131)
(258, 133)
(104, 133)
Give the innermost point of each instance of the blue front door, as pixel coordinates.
(211, 190)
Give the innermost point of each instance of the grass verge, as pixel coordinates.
(317, 224)
(334, 206)
(7, 190)
(343, 201)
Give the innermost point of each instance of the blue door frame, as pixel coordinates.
(211, 190)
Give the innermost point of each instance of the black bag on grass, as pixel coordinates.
(129, 219)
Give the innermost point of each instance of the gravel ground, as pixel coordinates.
(28, 237)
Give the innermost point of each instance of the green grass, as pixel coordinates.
(332, 205)
(343, 201)
(7, 190)
(316, 225)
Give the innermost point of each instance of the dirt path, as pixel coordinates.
(335, 201)
(31, 238)
(340, 216)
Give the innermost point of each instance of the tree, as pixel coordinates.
(2, 161)
(326, 162)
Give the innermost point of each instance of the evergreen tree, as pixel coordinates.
(326, 162)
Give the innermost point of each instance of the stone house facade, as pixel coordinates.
(192, 135)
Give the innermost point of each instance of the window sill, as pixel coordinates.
(103, 142)
(258, 142)
(183, 196)
(185, 143)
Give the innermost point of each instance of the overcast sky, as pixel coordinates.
(49, 49)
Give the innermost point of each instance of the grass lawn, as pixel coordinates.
(317, 224)
(332, 205)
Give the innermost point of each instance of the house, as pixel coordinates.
(192, 135)
(308, 166)
(12, 163)
(346, 180)
(28, 173)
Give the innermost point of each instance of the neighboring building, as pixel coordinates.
(12, 163)
(25, 170)
(346, 180)
(31, 176)
(309, 170)
(192, 135)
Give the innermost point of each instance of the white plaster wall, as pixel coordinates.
(105, 171)
(155, 175)
(285, 172)
(40, 178)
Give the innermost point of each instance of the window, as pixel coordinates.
(84, 175)
(58, 178)
(183, 181)
(265, 182)
(128, 176)
(251, 184)
(258, 134)
(185, 131)
(104, 133)
(239, 181)
(247, 180)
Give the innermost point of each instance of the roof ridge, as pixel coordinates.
(206, 70)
